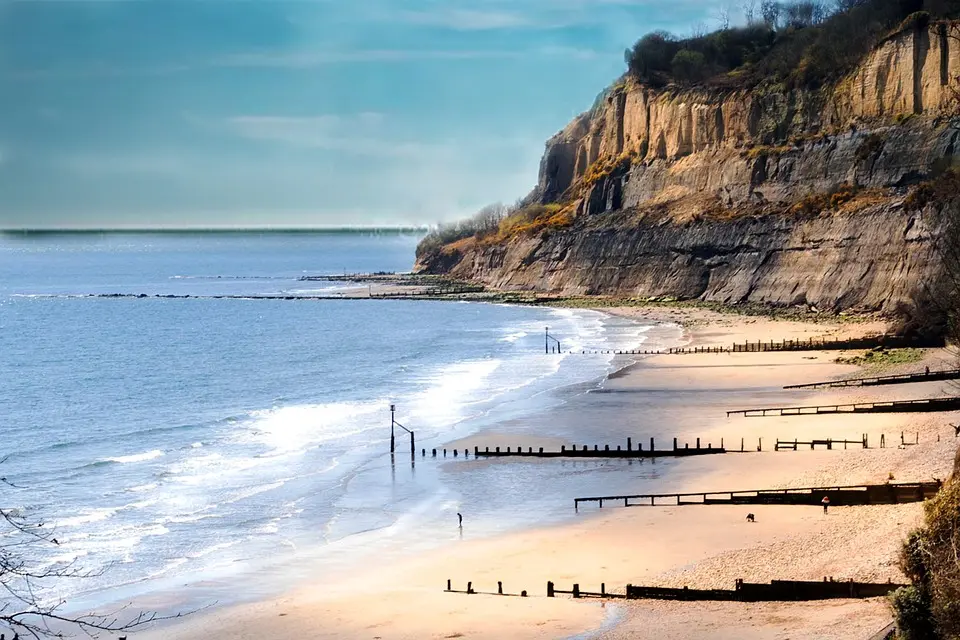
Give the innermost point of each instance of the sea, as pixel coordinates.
(180, 447)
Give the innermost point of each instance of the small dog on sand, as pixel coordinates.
(750, 518)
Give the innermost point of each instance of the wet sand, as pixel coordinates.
(687, 396)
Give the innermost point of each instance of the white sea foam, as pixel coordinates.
(451, 388)
(98, 515)
(137, 457)
(294, 428)
(143, 487)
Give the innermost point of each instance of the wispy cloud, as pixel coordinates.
(465, 19)
(306, 59)
(360, 134)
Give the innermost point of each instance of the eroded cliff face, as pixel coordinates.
(865, 261)
(695, 194)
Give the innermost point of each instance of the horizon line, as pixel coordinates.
(216, 229)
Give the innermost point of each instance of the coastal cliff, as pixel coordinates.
(770, 194)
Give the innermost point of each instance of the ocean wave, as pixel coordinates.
(98, 515)
(297, 427)
(137, 457)
(142, 487)
(451, 389)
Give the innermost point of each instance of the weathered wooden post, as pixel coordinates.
(576, 590)
(455, 453)
(444, 453)
(759, 444)
(603, 588)
(563, 448)
(499, 587)
(541, 450)
(652, 448)
(523, 594)
(413, 445)
(721, 443)
(498, 449)
(546, 340)
(448, 585)
(606, 447)
(434, 453)
(698, 443)
(674, 444)
(469, 587)
(476, 450)
(549, 589)
(393, 446)
(629, 444)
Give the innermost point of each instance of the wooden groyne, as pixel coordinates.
(810, 344)
(774, 591)
(898, 493)
(905, 378)
(823, 344)
(471, 591)
(585, 451)
(896, 406)
(828, 443)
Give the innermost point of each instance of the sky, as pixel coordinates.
(208, 113)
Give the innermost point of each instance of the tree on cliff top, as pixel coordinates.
(801, 44)
(483, 223)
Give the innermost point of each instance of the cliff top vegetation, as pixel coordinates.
(800, 44)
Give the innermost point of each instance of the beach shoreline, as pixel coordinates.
(700, 547)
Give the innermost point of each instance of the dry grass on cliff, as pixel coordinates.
(531, 220)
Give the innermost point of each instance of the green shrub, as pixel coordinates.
(689, 66)
(797, 43)
(930, 607)
(912, 610)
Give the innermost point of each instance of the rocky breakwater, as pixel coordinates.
(769, 195)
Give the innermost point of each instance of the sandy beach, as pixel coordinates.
(668, 546)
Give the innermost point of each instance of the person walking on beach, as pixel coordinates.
(460, 519)
(826, 503)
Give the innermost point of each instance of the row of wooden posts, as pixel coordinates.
(575, 451)
(775, 590)
(810, 344)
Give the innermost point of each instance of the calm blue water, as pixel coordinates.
(179, 442)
